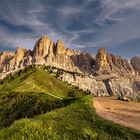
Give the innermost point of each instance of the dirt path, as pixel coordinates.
(124, 113)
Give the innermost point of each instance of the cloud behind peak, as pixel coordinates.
(79, 23)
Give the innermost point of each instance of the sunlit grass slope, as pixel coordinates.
(75, 121)
(38, 80)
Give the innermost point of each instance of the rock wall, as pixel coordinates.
(103, 85)
(135, 61)
(5, 57)
(110, 64)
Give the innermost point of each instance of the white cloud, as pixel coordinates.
(123, 14)
(14, 40)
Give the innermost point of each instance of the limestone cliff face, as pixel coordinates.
(103, 75)
(119, 65)
(111, 64)
(49, 53)
(43, 47)
(103, 85)
(101, 59)
(135, 61)
(60, 48)
(16, 60)
(5, 57)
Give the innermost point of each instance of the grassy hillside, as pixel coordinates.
(30, 92)
(37, 106)
(76, 121)
(37, 80)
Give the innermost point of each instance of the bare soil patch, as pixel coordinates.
(123, 113)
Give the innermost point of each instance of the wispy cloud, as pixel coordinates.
(79, 23)
(126, 24)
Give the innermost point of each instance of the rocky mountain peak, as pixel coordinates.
(5, 57)
(4, 53)
(101, 59)
(135, 61)
(119, 65)
(60, 48)
(112, 64)
(43, 46)
(20, 53)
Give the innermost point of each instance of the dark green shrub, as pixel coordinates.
(16, 105)
(71, 93)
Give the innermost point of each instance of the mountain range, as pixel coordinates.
(102, 75)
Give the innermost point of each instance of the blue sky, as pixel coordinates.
(81, 24)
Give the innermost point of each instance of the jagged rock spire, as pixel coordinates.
(112, 64)
(101, 59)
(60, 47)
(43, 46)
(135, 61)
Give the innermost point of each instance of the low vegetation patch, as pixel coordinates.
(75, 121)
(16, 105)
(32, 91)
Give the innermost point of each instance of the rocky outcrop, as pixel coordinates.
(135, 61)
(104, 85)
(43, 47)
(60, 49)
(119, 65)
(101, 64)
(124, 87)
(16, 60)
(111, 64)
(49, 53)
(101, 59)
(5, 57)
